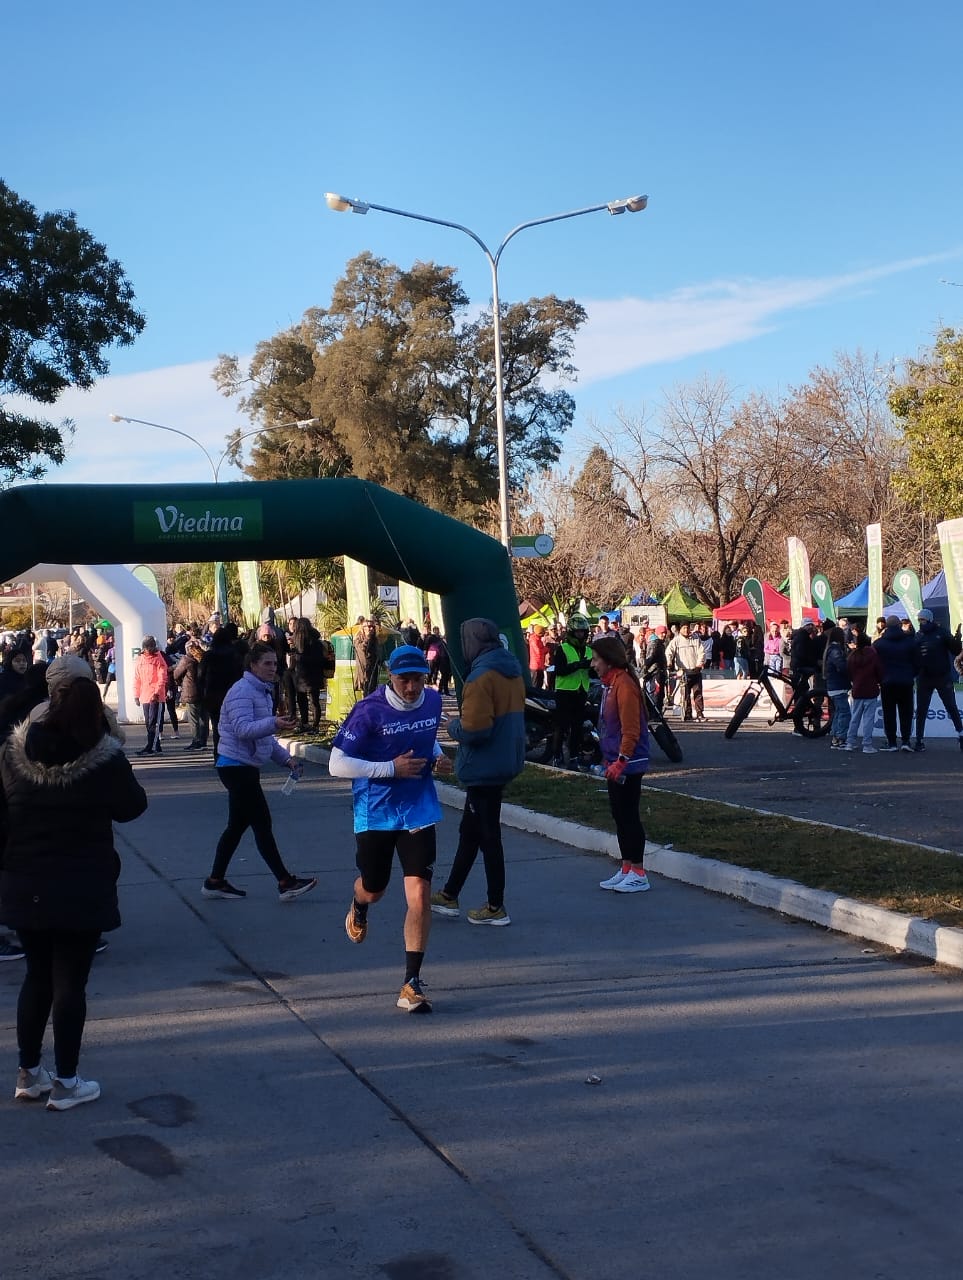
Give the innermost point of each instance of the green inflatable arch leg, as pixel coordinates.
(267, 520)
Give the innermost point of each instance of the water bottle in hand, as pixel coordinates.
(290, 785)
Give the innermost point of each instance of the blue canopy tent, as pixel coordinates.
(934, 597)
(857, 601)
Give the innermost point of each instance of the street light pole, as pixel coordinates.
(633, 204)
(215, 466)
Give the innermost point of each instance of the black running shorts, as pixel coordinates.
(416, 853)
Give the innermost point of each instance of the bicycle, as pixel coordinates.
(810, 710)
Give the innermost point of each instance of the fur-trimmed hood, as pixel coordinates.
(36, 755)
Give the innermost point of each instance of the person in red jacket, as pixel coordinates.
(538, 655)
(866, 672)
(150, 692)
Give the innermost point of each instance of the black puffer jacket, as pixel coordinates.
(58, 805)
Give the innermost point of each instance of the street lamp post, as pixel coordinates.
(215, 466)
(633, 204)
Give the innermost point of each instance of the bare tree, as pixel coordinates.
(714, 487)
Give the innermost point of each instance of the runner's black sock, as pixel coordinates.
(413, 961)
(360, 911)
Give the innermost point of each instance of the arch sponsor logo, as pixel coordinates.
(230, 520)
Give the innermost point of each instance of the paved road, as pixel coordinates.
(774, 1100)
(913, 797)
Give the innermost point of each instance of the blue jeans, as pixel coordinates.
(862, 722)
(841, 716)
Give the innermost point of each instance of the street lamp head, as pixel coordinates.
(342, 204)
(632, 204)
(115, 417)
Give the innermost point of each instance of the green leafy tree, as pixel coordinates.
(195, 593)
(62, 302)
(399, 387)
(929, 407)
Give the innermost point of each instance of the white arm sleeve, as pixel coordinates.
(342, 766)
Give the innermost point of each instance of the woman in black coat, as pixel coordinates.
(186, 675)
(305, 674)
(219, 669)
(63, 782)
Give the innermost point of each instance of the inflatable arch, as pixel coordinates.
(57, 525)
(134, 608)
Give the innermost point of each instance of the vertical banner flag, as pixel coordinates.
(906, 589)
(411, 604)
(823, 596)
(800, 595)
(434, 608)
(220, 591)
(752, 590)
(874, 558)
(951, 549)
(247, 572)
(357, 589)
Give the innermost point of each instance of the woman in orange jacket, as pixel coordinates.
(624, 742)
(150, 692)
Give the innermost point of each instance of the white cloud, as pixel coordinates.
(631, 333)
(620, 336)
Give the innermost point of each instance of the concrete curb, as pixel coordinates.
(844, 915)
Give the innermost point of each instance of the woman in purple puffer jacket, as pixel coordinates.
(246, 744)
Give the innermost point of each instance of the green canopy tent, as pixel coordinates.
(681, 607)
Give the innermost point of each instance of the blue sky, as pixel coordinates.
(801, 165)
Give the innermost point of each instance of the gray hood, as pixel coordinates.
(478, 636)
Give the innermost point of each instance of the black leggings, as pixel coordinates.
(480, 829)
(625, 797)
(302, 701)
(58, 963)
(247, 807)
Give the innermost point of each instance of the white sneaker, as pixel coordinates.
(32, 1084)
(869, 751)
(62, 1099)
(633, 883)
(613, 882)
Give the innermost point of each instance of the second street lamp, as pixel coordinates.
(632, 204)
(215, 466)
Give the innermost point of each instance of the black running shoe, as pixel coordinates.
(288, 890)
(221, 889)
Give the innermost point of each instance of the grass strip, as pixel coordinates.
(900, 877)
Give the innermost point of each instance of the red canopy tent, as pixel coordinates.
(776, 606)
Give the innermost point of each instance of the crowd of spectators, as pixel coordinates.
(900, 666)
(198, 665)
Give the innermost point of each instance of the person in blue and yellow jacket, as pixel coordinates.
(491, 750)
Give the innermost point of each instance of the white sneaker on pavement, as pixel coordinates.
(63, 1097)
(613, 882)
(634, 882)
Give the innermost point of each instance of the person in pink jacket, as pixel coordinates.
(150, 692)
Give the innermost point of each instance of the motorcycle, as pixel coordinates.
(540, 722)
